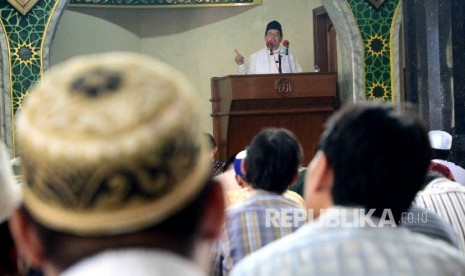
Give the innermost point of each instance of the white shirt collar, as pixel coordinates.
(134, 262)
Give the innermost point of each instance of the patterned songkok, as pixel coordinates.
(110, 144)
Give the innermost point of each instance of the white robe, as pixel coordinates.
(134, 262)
(261, 62)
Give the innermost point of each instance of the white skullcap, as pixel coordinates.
(237, 162)
(440, 140)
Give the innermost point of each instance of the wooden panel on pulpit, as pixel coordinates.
(243, 105)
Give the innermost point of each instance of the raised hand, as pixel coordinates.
(239, 58)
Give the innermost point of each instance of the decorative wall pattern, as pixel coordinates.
(25, 38)
(164, 3)
(370, 55)
(376, 30)
(370, 34)
(352, 86)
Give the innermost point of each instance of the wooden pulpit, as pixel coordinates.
(242, 105)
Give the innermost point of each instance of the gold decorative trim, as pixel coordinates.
(23, 6)
(164, 4)
(376, 3)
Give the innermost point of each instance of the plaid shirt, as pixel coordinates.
(217, 167)
(317, 249)
(249, 225)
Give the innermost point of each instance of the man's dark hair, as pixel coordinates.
(176, 234)
(273, 158)
(379, 156)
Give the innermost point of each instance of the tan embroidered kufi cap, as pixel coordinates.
(111, 144)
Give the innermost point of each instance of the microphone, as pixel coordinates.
(269, 44)
(286, 44)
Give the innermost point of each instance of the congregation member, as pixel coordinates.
(371, 162)
(10, 198)
(117, 175)
(441, 143)
(10, 192)
(274, 58)
(447, 199)
(421, 220)
(233, 196)
(298, 187)
(239, 195)
(236, 189)
(426, 222)
(227, 179)
(270, 166)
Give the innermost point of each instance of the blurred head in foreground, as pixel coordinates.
(113, 158)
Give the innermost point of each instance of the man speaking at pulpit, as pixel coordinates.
(274, 58)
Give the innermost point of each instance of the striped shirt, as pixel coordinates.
(430, 224)
(447, 199)
(320, 248)
(260, 219)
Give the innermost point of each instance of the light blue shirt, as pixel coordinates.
(320, 248)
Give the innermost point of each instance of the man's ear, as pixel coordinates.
(243, 170)
(319, 174)
(26, 239)
(213, 215)
(239, 181)
(319, 184)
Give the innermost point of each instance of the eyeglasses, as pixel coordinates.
(271, 35)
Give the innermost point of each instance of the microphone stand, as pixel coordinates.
(279, 62)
